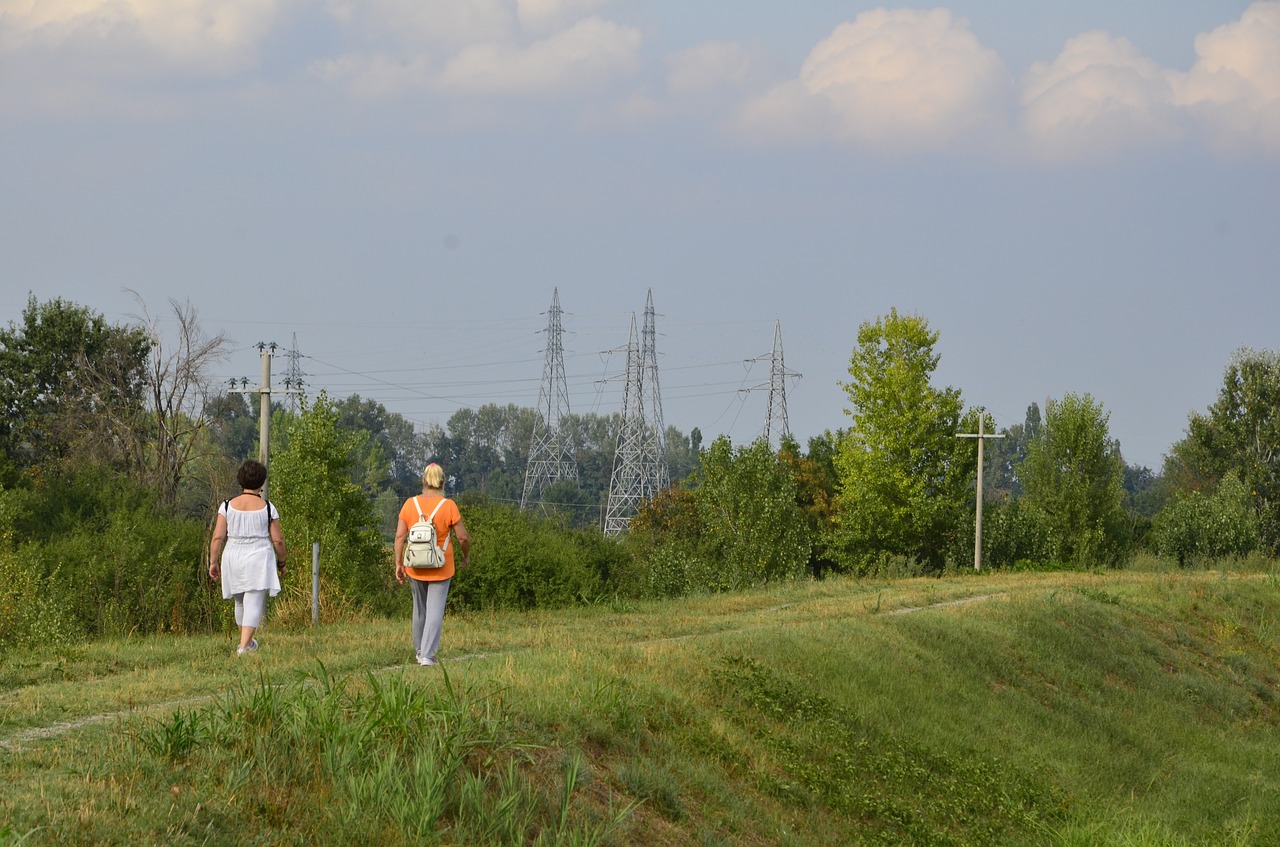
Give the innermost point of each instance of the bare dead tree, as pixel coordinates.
(179, 387)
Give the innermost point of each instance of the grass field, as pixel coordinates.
(1118, 708)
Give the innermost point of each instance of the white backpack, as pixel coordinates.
(421, 549)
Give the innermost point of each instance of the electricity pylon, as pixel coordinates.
(657, 473)
(775, 419)
(640, 467)
(626, 485)
(550, 456)
(293, 376)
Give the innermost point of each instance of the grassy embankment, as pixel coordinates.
(1054, 709)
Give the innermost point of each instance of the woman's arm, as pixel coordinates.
(464, 542)
(215, 546)
(402, 532)
(277, 542)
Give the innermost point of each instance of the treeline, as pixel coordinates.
(117, 448)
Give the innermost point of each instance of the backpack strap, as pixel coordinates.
(432, 518)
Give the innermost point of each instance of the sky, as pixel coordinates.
(1079, 197)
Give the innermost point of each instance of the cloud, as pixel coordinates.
(1099, 96)
(587, 54)
(434, 25)
(709, 67)
(480, 48)
(543, 16)
(900, 80)
(1233, 89)
(202, 37)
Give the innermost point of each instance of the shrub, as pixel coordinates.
(1194, 528)
(522, 561)
(86, 553)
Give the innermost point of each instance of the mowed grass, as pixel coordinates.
(1118, 708)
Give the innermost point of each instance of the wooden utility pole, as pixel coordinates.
(981, 435)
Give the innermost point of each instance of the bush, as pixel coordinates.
(1193, 528)
(522, 561)
(87, 554)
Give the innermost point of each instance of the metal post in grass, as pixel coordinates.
(315, 583)
(981, 434)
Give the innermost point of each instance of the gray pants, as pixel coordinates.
(428, 615)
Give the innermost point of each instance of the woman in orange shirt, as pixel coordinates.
(430, 586)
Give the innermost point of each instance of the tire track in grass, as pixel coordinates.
(22, 738)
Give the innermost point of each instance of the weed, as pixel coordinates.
(9, 838)
(175, 737)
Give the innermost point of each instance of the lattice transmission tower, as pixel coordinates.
(626, 485)
(550, 454)
(657, 473)
(293, 375)
(640, 468)
(776, 426)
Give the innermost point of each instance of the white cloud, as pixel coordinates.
(482, 48)
(542, 16)
(210, 37)
(447, 25)
(708, 67)
(587, 54)
(901, 79)
(1099, 96)
(1234, 87)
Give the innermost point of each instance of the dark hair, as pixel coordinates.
(252, 475)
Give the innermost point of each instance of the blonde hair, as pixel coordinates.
(433, 476)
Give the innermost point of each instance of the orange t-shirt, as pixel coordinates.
(445, 518)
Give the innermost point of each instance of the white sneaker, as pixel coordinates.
(252, 648)
(423, 660)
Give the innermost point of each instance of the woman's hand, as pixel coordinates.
(400, 574)
(215, 571)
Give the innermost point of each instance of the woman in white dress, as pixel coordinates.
(247, 552)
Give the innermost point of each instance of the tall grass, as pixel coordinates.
(352, 760)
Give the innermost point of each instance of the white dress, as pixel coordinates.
(248, 558)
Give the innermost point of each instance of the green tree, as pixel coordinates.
(311, 483)
(66, 378)
(1240, 433)
(396, 449)
(902, 471)
(815, 480)
(1005, 456)
(486, 449)
(1074, 476)
(233, 426)
(683, 452)
(751, 523)
(1196, 528)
